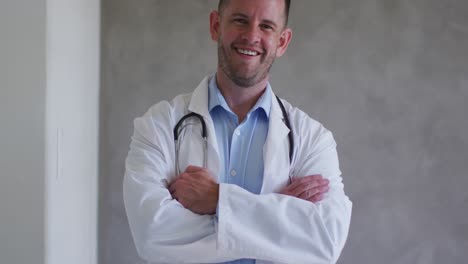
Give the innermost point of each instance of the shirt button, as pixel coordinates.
(233, 172)
(237, 132)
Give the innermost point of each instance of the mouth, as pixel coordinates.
(247, 52)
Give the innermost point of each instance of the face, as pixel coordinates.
(250, 35)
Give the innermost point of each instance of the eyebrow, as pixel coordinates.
(266, 21)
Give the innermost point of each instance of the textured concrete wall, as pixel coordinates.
(389, 78)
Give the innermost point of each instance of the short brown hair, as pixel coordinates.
(287, 5)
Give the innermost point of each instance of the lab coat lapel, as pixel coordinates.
(199, 104)
(276, 151)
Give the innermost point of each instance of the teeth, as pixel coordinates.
(247, 52)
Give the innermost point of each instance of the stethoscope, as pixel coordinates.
(180, 126)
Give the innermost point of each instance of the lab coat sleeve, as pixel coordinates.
(163, 230)
(284, 229)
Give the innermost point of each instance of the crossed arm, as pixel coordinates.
(198, 192)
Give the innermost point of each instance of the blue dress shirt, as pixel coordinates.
(240, 145)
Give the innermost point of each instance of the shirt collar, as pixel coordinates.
(215, 98)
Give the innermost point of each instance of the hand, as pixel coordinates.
(310, 188)
(196, 190)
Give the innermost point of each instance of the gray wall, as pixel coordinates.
(389, 78)
(22, 131)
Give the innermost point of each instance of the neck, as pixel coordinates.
(239, 99)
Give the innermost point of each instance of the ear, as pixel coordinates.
(214, 25)
(285, 39)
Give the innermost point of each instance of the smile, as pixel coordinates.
(247, 52)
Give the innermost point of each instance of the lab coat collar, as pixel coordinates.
(199, 104)
(276, 149)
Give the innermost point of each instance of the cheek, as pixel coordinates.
(271, 42)
(226, 40)
(271, 46)
(228, 36)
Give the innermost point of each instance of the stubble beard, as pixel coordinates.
(239, 78)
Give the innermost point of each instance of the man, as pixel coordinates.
(243, 207)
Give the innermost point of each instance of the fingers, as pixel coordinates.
(302, 184)
(317, 197)
(307, 179)
(314, 193)
(172, 187)
(183, 177)
(298, 182)
(177, 195)
(310, 188)
(177, 183)
(195, 190)
(311, 185)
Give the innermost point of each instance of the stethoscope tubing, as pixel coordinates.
(179, 126)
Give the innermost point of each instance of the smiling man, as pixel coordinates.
(231, 173)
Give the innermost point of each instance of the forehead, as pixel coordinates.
(263, 9)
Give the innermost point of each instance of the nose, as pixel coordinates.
(251, 34)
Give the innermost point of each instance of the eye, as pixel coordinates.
(266, 26)
(241, 21)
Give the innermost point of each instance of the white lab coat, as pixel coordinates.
(269, 227)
